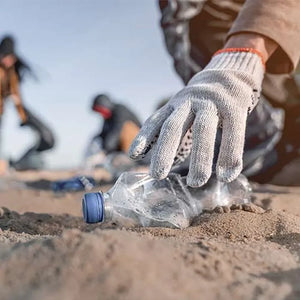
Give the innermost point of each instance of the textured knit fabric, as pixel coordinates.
(223, 94)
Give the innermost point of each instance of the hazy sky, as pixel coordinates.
(78, 49)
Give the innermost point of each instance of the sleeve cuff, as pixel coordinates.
(278, 20)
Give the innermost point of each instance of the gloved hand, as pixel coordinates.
(223, 94)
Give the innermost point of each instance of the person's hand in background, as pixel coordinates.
(222, 94)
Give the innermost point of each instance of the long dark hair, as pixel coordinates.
(7, 47)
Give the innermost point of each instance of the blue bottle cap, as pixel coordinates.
(93, 207)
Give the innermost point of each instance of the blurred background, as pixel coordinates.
(79, 49)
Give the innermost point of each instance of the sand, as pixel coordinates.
(48, 252)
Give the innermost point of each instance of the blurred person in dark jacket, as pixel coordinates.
(120, 125)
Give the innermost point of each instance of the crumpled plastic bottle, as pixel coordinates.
(139, 200)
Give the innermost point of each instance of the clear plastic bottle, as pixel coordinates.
(139, 200)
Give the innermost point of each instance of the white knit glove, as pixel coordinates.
(223, 94)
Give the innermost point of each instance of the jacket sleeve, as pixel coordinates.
(278, 20)
(175, 18)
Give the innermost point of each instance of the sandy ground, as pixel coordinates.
(48, 252)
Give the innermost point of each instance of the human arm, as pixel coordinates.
(175, 18)
(16, 96)
(263, 44)
(278, 21)
(222, 94)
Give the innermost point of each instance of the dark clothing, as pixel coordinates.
(201, 23)
(195, 29)
(45, 140)
(113, 128)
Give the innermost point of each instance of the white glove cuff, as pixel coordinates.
(239, 61)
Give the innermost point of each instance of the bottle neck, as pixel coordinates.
(108, 208)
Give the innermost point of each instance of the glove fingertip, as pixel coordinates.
(228, 174)
(137, 147)
(158, 173)
(197, 182)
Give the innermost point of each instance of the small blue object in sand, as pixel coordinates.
(78, 183)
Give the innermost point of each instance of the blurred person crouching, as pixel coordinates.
(120, 125)
(12, 71)
(110, 146)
